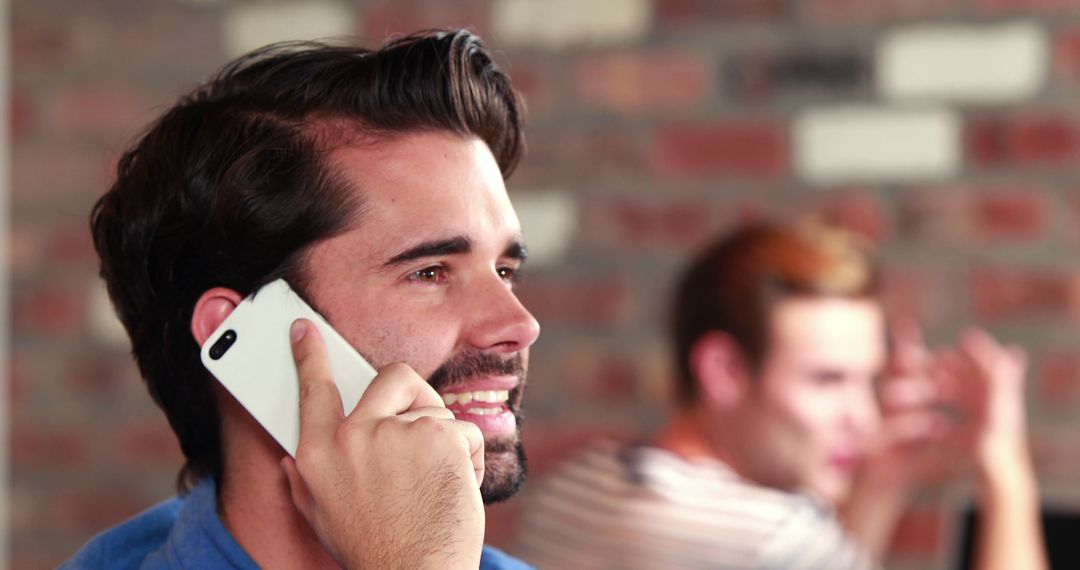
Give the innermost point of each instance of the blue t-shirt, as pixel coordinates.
(186, 532)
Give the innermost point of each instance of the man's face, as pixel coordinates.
(811, 412)
(425, 276)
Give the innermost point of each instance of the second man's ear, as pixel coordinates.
(720, 369)
(210, 310)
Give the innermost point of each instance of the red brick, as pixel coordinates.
(1003, 293)
(1059, 380)
(25, 559)
(581, 153)
(760, 75)
(534, 81)
(599, 302)
(37, 447)
(21, 114)
(385, 19)
(1026, 6)
(89, 510)
(922, 293)
(57, 175)
(970, 217)
(1019, 215)
(99, 375)
(589, 372)
(1056, 455)
(151, 444)
(1066, 64)
(633, 83)
(833, 12)
(1070, 228)
(920, 533)
(858, 211)
(39, 41)
(17, 375)
(703, 12)
(71, 244)
(649, 224)
(137, 34)
(111, 111)
(49, 310)
(1033, 140)
(24, 247)
(737, 149)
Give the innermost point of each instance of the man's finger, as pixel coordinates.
(320, 401)
(909, 350)
(428, 411)
(301, 496)
(397, 389)
(911, 392)
(475, 439)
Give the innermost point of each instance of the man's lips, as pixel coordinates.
(845, 462)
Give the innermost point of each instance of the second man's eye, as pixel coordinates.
(429, 275)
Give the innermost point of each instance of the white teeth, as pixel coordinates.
(486, 396)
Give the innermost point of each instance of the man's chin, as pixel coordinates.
(835, 490)
(504, 469)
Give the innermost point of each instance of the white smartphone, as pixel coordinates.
(251, 355)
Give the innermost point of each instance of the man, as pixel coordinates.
(779, 339)
(373, 181)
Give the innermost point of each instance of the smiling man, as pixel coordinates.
(373, 181)
(785, 450)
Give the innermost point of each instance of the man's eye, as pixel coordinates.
(508, 274)
(431, 275)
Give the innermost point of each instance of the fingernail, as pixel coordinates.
(298, 330)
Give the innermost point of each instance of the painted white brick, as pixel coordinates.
(105, 327)
(985, 64)
(858, 143)
(555, 24)
(549, 219)
(251, 26)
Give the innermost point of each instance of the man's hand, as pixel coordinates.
(395, 484)
(900, 455)
(986, 381)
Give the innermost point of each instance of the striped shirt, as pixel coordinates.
(641, 507)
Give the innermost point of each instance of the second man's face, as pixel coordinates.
(813, 408)
(425, 275)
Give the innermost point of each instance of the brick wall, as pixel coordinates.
(945, 130)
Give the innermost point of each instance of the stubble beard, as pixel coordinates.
(505, 464)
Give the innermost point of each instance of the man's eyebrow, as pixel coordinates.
(451, 246)
(517, 250)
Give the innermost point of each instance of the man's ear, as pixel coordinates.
(210, 310)
(721, 371)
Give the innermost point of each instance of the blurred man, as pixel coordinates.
(780, 339)
(373, 181)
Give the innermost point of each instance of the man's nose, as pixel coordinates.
(499, 321)
(863, 413)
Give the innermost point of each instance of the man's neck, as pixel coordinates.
(255, 504)
(686, 436)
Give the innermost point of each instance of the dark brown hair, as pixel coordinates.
(231, 187)
(732, 286)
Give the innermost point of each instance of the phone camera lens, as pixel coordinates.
(221, 346)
